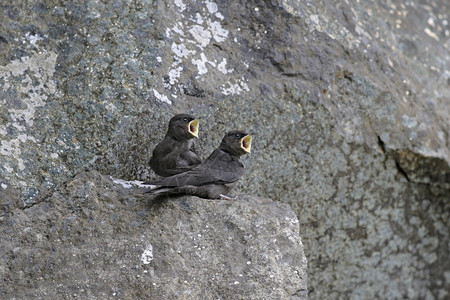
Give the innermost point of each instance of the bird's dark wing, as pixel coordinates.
(219, 168)
(175, 163)
(189, 158)
(172, 157)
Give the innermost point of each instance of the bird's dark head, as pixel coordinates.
(183, 126)
(237, 142)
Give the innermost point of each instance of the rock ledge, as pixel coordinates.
(97, 239)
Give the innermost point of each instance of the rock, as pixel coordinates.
(348, 101)
(97, 239)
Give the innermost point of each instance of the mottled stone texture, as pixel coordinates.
(97, 240)
(349, 102)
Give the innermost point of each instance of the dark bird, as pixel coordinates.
(215, 177)
(175, 153)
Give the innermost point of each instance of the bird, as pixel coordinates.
(213, 178)
(175, 153)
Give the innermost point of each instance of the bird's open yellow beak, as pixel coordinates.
(193, 127)
(246, 143)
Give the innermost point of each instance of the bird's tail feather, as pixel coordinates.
(161, 191)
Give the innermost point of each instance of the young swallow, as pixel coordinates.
(215, 177)
(175, 153)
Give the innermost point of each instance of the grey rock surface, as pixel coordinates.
(95, 239)
(349, 101)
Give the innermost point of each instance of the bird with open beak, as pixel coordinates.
(216, 176)
(175, 153)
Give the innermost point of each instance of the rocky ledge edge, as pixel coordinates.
(102, 238)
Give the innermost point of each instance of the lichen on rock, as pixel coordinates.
(348, 102)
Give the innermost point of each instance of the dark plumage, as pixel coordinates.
(216, 176)
(175, 153)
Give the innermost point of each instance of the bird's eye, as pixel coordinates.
(238, 135)
(185, 120)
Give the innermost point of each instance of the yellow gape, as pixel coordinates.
(246, 143)
(193, 127)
